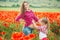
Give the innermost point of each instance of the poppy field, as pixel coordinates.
(11, 30)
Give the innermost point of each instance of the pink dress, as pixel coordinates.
(43, 32)
(28, 16)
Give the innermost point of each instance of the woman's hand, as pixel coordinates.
(22, 21)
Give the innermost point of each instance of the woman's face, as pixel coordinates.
(26, 5)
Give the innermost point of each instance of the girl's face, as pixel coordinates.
(42, 23)
(26, 5)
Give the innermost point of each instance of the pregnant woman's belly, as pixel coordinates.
(28, 23)
(31, 26)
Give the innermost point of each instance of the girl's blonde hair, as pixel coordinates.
(46, 21)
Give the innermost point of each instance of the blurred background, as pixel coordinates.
(44, 5)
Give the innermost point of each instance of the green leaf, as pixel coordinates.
(21, 25)
(12, 25)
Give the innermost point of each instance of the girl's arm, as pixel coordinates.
(35, 24)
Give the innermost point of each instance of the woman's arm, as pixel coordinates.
(18, 17)
(34, 17)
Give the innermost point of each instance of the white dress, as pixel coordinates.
(42, 34)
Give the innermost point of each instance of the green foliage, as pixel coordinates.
(35, 3)
(37, 34)
(15, 5)
(58, 0)
(3, 0)
(12, 28)
(55, 28)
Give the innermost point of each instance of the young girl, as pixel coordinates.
(43, 29)
(27, 15)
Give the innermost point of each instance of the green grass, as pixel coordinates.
(47, 9)
(34, 9)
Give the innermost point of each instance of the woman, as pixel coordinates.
(27, 15)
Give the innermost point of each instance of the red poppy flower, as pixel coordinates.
(32, 36)
(26, 38)
(15, 35)
(21, 38)
(6, 25)
(3, 33)
(0, 38)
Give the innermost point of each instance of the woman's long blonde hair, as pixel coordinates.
(22, 7)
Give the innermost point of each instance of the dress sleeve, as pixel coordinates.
(34, 17)
(39, 28)
(44, 28)
(18, 17)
